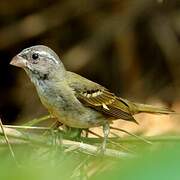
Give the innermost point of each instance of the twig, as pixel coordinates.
(87, 148)
(95, 134)
(120, 146)
(132, 134)
(38, 120)
(110, 141)
(7, 141)
(27, 127)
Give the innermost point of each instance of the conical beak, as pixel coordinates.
(18, 61)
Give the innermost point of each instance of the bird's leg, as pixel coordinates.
(106, 130)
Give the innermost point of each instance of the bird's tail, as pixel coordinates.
(150, 109)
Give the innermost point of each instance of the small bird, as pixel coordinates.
(74, 100)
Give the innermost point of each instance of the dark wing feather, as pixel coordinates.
(106, 102)
(99, 98)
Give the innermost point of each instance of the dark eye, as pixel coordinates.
(35, 56)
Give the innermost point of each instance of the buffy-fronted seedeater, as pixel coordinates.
(74, 100)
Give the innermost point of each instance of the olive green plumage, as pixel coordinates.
(73, 99)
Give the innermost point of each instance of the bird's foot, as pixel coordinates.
(101, 149)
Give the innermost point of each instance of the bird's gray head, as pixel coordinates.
(40, 62)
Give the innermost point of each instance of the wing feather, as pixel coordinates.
(99, 98)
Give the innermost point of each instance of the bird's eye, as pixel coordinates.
(35, 56)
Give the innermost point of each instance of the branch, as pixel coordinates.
(16, 137)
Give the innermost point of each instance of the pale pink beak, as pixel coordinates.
(18, 61)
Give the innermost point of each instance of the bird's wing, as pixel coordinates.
(96, 96)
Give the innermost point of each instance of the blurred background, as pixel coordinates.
(132, 47)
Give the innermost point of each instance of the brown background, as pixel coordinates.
(130, 46)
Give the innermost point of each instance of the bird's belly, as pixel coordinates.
(79, 121)
(74, 115)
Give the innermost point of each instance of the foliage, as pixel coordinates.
(44, 158)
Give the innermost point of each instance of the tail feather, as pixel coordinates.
(137, 108)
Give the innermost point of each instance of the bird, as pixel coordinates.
(74, 100)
